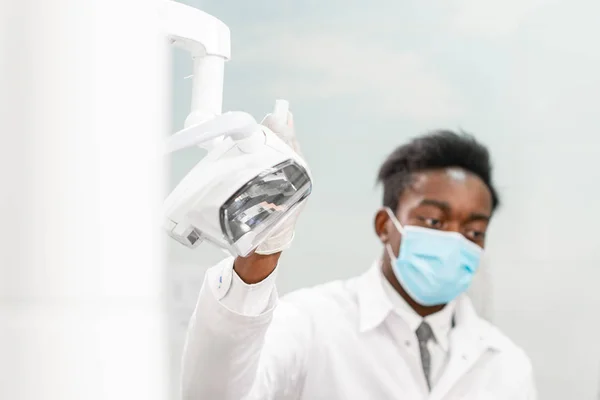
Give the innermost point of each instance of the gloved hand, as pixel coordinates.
(281, 238)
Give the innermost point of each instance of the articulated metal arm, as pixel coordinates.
(208, 41)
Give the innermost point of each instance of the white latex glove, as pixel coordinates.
(281, 238)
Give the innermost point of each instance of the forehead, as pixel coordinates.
(463, 191)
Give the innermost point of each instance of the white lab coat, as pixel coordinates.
(331, 342)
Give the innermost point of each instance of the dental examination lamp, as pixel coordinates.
(250, 181)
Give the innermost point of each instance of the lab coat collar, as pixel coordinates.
(470, 339)
(373, 304)
(470, 329)
(470, 336)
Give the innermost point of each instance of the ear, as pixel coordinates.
(381, 222)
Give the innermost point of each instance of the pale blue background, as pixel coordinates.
(363, 77)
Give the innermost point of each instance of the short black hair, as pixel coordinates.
(434, 150)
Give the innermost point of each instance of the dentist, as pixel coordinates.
(405, 329)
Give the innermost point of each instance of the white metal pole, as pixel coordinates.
(83, 111)
(207, 89)
(207, 92)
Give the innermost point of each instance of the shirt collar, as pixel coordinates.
(377, 299)
(440, 322)
(375, 306)
(466, 328)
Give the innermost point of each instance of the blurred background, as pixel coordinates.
(364, 77)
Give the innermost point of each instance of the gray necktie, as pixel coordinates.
(425, 334)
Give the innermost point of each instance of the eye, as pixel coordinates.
(475, 235)
(431, 222)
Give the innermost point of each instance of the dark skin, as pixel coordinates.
(255, 267)
(445, 199)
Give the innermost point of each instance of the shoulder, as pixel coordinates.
(331, 297)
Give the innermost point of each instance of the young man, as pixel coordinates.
(403, 330)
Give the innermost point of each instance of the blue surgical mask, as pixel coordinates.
(434, 267)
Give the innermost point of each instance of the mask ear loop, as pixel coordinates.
(398, 227)
(394, 220)
(391, 254)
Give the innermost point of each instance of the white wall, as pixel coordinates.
(82, 269)
(520, 74)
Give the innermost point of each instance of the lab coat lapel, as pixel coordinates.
(470, 339)
(465, 351)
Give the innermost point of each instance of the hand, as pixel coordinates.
(281, 238)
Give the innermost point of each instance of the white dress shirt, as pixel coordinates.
(345, 340)
(440, 322)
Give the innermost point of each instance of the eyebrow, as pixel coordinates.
(479, 217)
(446, 207)
(436, 203)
